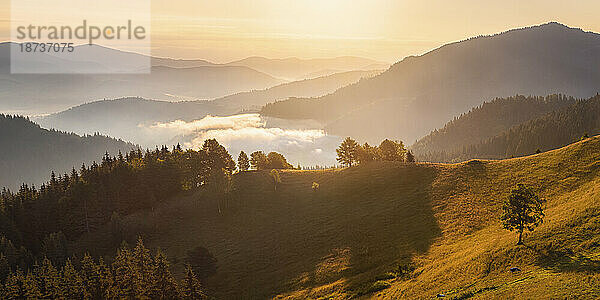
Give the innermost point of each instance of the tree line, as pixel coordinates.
(512, 127)
(37, 222)
(85, 200)
(351, 153)
(133, 274)
(29, 152)
(260, 161)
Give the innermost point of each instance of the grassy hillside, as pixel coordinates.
(393, 230)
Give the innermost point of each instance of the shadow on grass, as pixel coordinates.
(566, 261)
(389, 219)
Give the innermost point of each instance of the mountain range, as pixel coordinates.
(121, 117)
(168, 80)
(491, 119)
(543, 132)
(299, 69)
(105, 73)
(421, 93)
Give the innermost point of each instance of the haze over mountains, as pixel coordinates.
(131, 118)
(298, 69)
(405, 102)
(383, 226)
(454, 141)
(542, 132)
(419, 94)
(29, 153)
(168, 79)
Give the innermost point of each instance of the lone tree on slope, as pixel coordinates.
(347, 152)
(522, 210)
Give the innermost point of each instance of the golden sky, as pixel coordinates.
(386, 30)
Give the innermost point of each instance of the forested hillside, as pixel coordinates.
(550, 131)
(483, 122)
(421, 93)
(387, 228)
(356, 231)
(29, 153)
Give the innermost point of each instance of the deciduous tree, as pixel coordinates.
(522, 210)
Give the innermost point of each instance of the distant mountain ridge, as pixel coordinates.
(29, 153)
(419, 94)
(121, 117)
(484, 122)
(298, 69)
(169, 80)
(559, 121)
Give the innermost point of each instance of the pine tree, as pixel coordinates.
(49, 279)
(30, 285)
(124, 284)
(243, 162)
(392, 150)
(142, 269)
(71, 282)
(190, 286)
(90, 274)
(259, 160)
(347, 152)
(278, 161)
(367, 153)
(106, 277)
(164, 285)
(14, 287)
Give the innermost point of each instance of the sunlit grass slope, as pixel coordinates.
(473, 255)
(395, 231)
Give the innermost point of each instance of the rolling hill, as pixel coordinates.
(553, 124)
(391, 230)
(168, 80)
(314, 87)
(421, 93)
(299, 69)
(29, 153)
(484, 122)
(121, 117)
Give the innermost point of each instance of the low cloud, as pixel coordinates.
(209, 122)
(249, 132)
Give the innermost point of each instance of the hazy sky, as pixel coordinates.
(381, 29)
